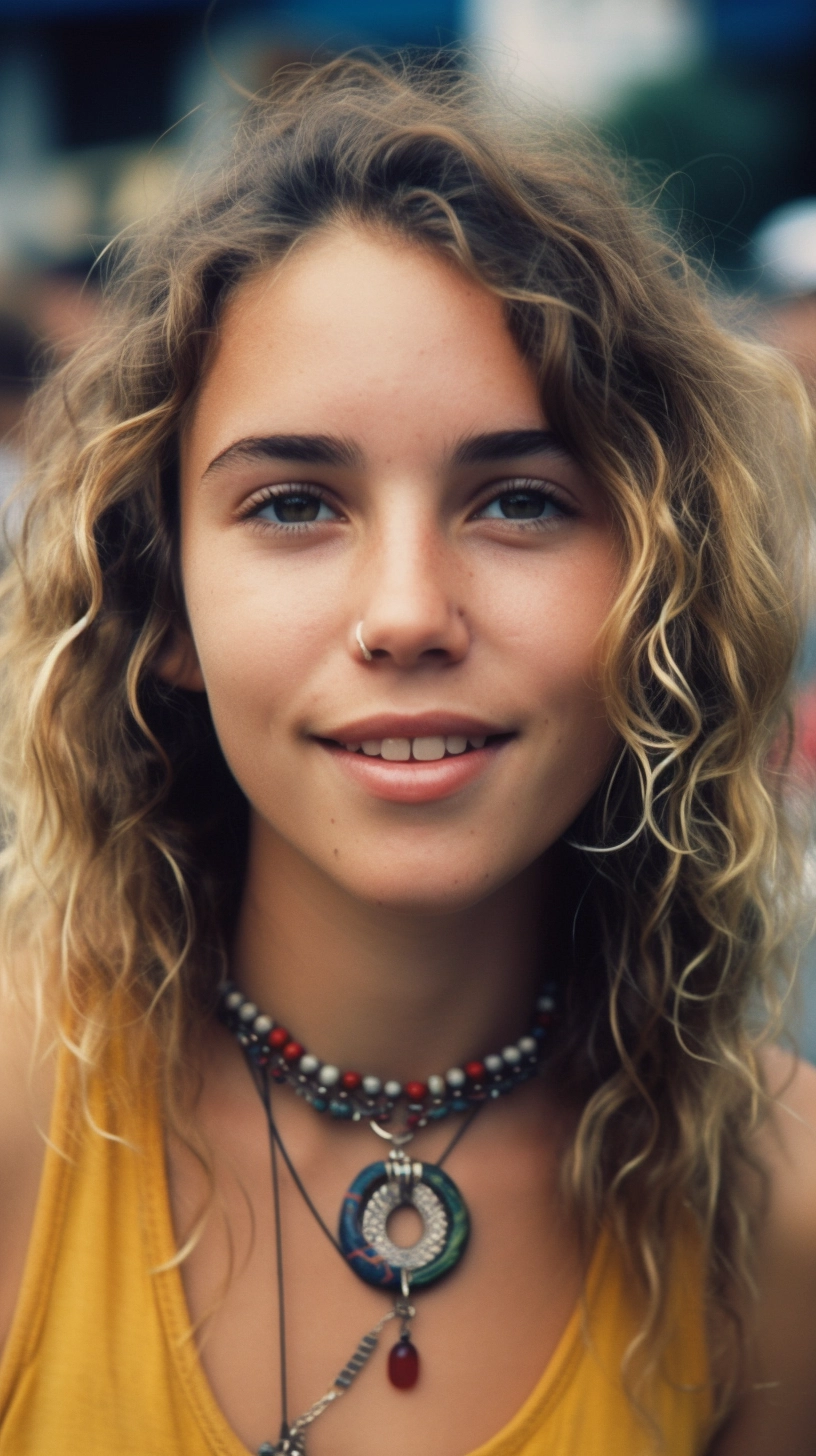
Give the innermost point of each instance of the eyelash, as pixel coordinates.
(520, 485)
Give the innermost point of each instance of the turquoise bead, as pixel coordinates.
(339, 1109)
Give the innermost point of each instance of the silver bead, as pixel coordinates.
(248, 1011)
(233, 1001)
(528, 1045)
(328, 1076)
(455, 1077)
(308, 1064)
(372, 1086)
(392, 1089)
(493, 1063)
(436, 1085)
(511, 1055)
(545, 1003)
(262, 1024)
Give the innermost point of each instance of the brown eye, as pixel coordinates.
(522, 505)
(294, 508)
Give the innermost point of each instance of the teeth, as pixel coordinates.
(424, 750)
(396, 750)
(427, 749)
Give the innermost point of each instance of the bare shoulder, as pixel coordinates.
(787, 1147)
(26, 1092)
(778, 1410)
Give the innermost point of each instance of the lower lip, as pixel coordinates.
(412, 782)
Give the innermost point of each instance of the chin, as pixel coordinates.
(429, 890)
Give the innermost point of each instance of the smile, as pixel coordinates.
(427, 749)
(418, 768)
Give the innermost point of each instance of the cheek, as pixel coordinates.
(260, 631)
(562, 656)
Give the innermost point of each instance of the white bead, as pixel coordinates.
(248, 1011)
(328, 1076)
(545, 1003)
(528, 1045)
(233, 1001)
(455, 1077)
(262, 1024)
(436, 1085)
(392, 1089)
(511, 1055)
(372, 1086)
(493, 1063)
(308, 1064)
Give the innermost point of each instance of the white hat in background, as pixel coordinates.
(785, 248)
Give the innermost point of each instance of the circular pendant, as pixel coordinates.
(367, 1207)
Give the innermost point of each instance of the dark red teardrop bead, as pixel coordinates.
(403, 1364)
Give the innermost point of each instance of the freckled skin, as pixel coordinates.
(364, 339)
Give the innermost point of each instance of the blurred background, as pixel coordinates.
(100, 101)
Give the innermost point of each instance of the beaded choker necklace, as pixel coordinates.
(362, 1240)
(353, 1095)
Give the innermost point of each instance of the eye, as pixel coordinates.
(293, 506)
(524, 503)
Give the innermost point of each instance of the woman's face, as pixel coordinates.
(369, 447)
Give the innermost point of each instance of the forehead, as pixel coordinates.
(356, 331)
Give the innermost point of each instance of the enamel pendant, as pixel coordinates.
(374, 1195)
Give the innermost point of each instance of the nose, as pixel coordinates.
(410, 612)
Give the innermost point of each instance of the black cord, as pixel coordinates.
(460, 1133)
(260, 1076)
(261, 1080)
(263, 1087)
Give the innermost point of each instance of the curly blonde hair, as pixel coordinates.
(126, 833)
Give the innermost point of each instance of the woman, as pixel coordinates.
(394, 659)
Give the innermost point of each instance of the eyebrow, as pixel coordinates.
(507, 444)
(332, 450)
(304, 449)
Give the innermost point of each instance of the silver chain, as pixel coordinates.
(292, 1443)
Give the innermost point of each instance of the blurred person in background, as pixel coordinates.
(412, 588)
(785, 248)
(18, 352)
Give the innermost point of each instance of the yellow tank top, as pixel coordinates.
(99, 1363)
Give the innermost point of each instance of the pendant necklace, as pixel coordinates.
(362, 1239)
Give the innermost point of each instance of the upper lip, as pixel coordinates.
(413, 725)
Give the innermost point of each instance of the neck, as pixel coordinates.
(395, 993)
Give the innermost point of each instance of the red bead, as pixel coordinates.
(403, 1364)
(415, 1091)
(278, 1037)
(350, 1081)
(292, 1052)
(475, 1071)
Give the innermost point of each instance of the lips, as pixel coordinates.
(415, 759)
(440, 724)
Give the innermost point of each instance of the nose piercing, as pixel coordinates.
(361, 644)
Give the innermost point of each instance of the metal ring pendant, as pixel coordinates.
(367, 1207)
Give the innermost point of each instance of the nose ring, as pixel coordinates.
(367, 656)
